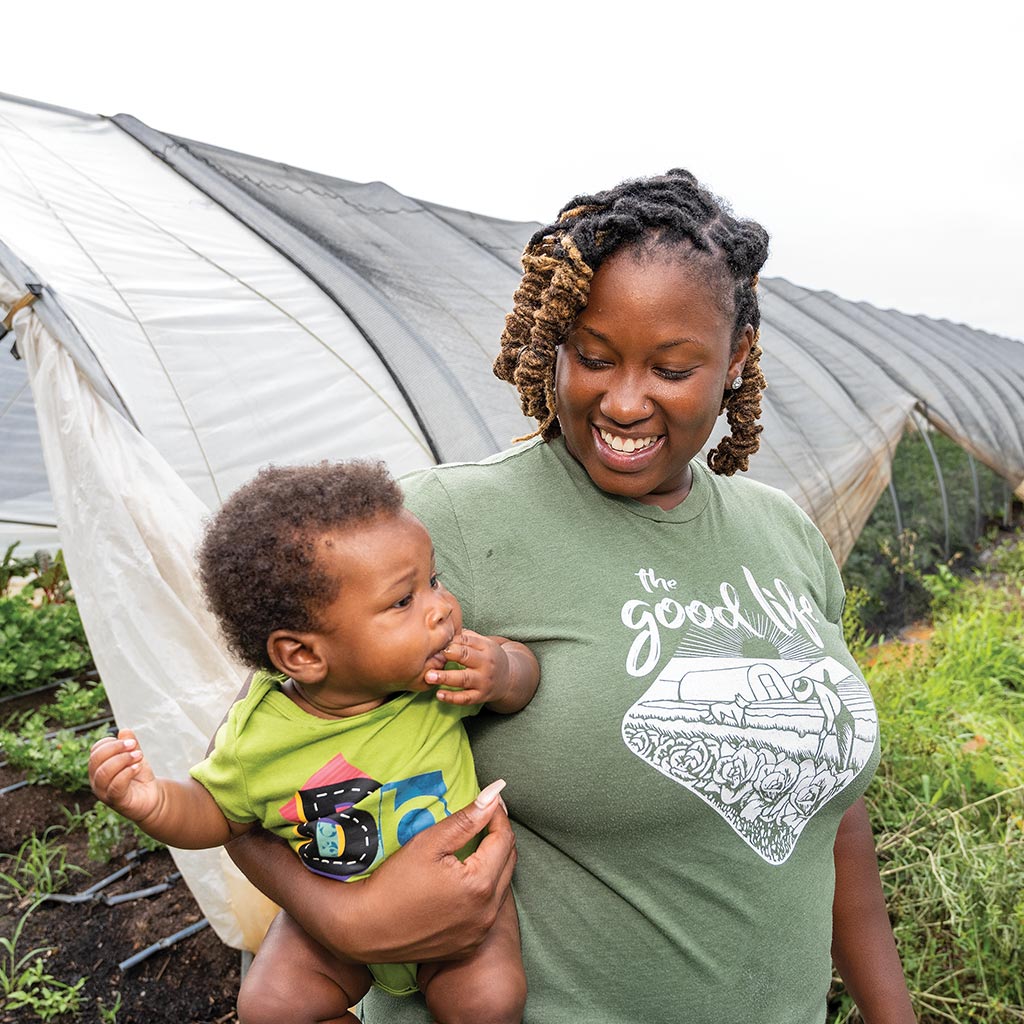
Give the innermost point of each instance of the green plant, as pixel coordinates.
(40, 866)
(61, 760)
(11, 964)
(855, 611)
(52, 577)
(46, 996)
(947, 803)
(39, 643)
(108, 1014)
(12, 568)
(25, 982)
(106, 830)
(943, 585)
(76, 704)
(1008, 558)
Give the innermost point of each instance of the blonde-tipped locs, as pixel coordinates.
(671, 211)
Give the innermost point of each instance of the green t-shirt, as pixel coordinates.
(344, 792)
(699, 731)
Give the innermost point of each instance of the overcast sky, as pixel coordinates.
(882, 144)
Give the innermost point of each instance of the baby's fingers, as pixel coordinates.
(113, 763)
(446, 677)
(460, 696)
(468, 648)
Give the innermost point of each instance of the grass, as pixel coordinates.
(948, 800)
(40, 866)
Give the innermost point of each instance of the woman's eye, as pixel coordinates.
(667, 374)
(591, 364)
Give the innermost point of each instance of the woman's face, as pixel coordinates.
(640, 378)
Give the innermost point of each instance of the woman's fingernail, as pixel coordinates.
(488, 795)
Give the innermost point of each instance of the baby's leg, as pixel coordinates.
(294, 979)
(487, 988)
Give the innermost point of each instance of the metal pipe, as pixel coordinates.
(942, 484)
(977, 495)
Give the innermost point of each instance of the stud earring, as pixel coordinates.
(737, 384)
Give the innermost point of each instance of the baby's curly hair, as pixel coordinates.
(672, 211)
(258, 561)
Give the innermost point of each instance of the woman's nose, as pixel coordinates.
(625, 401)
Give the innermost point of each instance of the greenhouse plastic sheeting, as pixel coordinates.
(202, 313)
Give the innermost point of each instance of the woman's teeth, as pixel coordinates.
(626, 444)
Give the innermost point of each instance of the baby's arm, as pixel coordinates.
(180, 814)
(500, 673)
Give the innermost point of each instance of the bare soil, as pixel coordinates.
(196, 980)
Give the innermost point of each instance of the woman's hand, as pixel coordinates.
(422, 903)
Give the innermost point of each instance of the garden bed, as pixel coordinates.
(196, 980)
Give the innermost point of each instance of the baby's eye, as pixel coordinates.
(404, 602)
(435, 581)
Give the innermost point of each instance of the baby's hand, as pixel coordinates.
(487, 675)
(120, 776)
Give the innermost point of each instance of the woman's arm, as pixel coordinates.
(863, 947)
(422, 903)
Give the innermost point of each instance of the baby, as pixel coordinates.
(345, 743)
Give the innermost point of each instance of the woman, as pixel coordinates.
(691, 834)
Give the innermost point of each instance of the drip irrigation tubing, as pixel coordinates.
(92, 893)
(91, 674)
(144, 954)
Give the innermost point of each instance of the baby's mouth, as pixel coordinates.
(439, 655)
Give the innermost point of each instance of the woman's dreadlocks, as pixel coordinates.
(671, 211)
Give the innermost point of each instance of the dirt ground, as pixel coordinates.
(196, 980)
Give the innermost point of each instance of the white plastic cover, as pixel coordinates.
(129, 526)
(227, 356)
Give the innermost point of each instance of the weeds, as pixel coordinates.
(108, 1014)
(25, 982)
(948, 801)
(39, 867)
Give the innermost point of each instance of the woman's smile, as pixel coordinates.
(639, 381)
(624, 452)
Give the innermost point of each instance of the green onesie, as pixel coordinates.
(345, 792)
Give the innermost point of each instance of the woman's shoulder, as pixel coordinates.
(457, 482)
(743, 496)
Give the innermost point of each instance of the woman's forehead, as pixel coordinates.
(658, 286)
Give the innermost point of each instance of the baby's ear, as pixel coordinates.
(297, 655)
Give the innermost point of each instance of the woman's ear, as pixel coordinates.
(740, 355)
(297, 655)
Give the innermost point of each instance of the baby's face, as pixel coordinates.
(392, 618)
